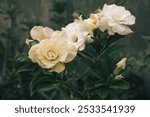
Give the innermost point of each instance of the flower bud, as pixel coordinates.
(122, 64)
(28, 41)
(119, 77)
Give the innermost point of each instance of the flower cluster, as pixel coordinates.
(55, 48)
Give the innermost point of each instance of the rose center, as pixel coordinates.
(52, 55)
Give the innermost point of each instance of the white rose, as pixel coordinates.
(52, 53)
(78, 33)
(39, 33)
(115, 19)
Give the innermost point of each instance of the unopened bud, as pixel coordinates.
(119, 77)
(122, 64)
(28, 41)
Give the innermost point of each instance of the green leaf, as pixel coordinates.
(21, 57)
(111, 63)
(100, 67)
(103, 92)
(56, 92)
(85, 56)
(113, 49)
(99, 93)
(122, 84)
(113, 95)
(38, 81)
(65, 92)
(100, 84)
(127, 71)
(114, 38)
(84, 75)
(121, 3)
(94, 73)
(25, 68)
(49, 87)
(44, 95)
(88, 84)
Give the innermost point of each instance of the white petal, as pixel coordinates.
(37, 33)
(47, 32)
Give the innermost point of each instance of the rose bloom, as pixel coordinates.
(39, 33)
(115, 19)
(52, 53)
(78, 33)
(122, 64)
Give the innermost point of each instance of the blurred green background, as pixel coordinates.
(17, 17)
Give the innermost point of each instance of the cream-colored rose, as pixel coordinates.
(115, 19)
(39, 33)
(122, 64)
(71, 49)
(78, 33)
(52, 53)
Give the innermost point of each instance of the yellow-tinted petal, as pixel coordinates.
(59, 67)
(71, 54)
(32, 53)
